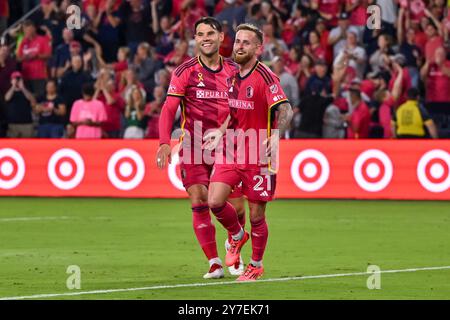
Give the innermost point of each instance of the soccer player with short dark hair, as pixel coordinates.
(257, 104)
(200, 86)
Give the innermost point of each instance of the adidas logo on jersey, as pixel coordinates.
(201, 84)
(264, 194)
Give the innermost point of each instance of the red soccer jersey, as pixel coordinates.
(437, 84)
(360, 122)
(331, 7)
(204, 95)
(253, 101)
(35, 68)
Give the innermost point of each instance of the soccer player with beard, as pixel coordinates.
(257, 104)
(200, 86)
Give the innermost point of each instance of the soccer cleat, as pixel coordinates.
(234, 252)
(238, 268)
(215, 272)
(252, 273)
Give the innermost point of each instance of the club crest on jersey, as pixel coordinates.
(200, 80)
(274, 88)
(249, 91)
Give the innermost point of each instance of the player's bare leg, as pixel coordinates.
(227, 216)
(204, 229)
(259, 234)
(239, 204)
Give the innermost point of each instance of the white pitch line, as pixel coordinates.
(204, 284)
(34, 218)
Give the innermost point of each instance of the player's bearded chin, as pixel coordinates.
(241, 58)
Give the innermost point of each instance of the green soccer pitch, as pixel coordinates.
(146, 249)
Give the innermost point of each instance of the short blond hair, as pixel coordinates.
(252, 28)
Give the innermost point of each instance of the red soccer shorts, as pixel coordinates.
(192, 174)
(255, 186)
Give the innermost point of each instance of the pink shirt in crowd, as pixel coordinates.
(83, 110)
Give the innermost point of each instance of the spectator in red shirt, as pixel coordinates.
(359, 120)
(387, 103)
(292, 60)
(226, 48)
(33, 52)
(153, 110)
(304, 72)
(328, 9)
(436, 75)
(315, 49)
(177, 56)
(293, 26)
(358, 14)
(397, 65)
(105, 91)
(7, 67)
(324, 33)
(119, 67)
(434, 41)
(4, 15)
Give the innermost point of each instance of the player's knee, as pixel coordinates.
(257, 219)
(199, 201)
(257, 215)
(215, 202)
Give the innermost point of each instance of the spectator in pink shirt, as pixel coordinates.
(88, 115)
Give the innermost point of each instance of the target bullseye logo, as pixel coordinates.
(373, 170)
(126, 169)
(433, 171)
(173, 176)
(66, 169)
(12, 168)
(310, 170)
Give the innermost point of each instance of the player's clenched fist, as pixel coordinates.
(162, 155)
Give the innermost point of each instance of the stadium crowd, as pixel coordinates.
(110, 77)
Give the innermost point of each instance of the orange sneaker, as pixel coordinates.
(233, 253)
(252, 273)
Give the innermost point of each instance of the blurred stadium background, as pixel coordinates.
(68, 201)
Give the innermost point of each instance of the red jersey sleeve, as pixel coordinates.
(178, 82)
(274, 93)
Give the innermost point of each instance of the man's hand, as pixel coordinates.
(272, 144)
(20, 84)
(162, 155)
(212, 139)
